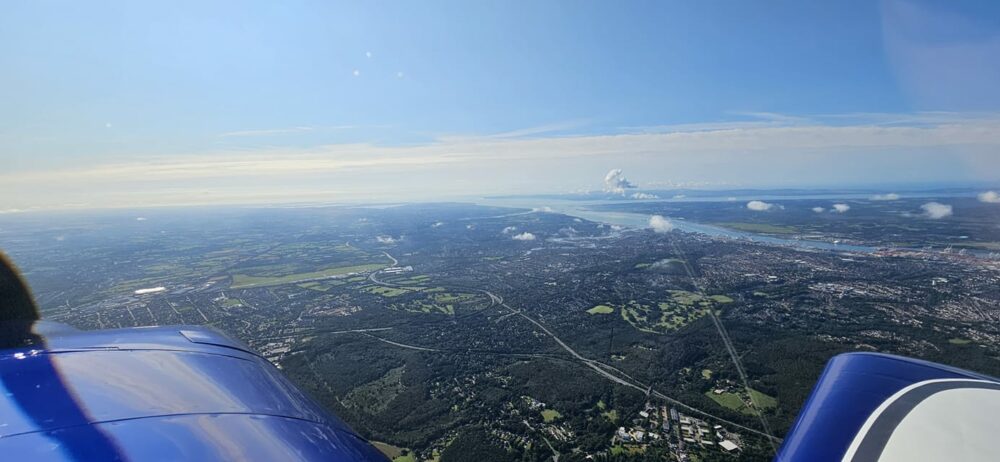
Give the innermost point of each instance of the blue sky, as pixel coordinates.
(152, 103)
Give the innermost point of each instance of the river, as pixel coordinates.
(580, 210)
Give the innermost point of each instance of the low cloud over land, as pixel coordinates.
(759, 206)
(525, 236)
(936, 210)
(660, 224)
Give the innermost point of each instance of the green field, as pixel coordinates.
(386, 291)
(759, 228)
(423, 306)
(374, 397)
(550, 415)
(631, 449)
(243, 281)
(734, 402)
(601, 309)
(389, 450)
(452, 298)
(681, 309)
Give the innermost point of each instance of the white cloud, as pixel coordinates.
(368, 54)
(936, 210)
(615, 182)
(841, 208)
(818, 209)
(509, 229)
(386, 239)
(679, 196)
(437, 224)
(660, 224)
(525, 236)
(470, 227)
(400, 75)
(759, 206)
(140, 219)
(642, 195)
(545, 209)
(990, 197)
(885, 197)
(356, 72)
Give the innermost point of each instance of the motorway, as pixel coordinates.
(600, 368)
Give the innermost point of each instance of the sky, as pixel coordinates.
(124, 104)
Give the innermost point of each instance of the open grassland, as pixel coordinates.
(374, 397)
(244, 281)
(386, 291)
(738, 403)
(550, 415)
(601, 309)
(681, 309)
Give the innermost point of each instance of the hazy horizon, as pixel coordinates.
(132, 105)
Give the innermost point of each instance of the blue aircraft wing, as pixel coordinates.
(878, 407)
(163, 393)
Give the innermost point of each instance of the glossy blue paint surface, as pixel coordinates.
(851, 387)
(177, 393)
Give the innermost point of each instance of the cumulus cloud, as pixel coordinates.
(841, 208)
(545, 209)
(385, 239)
(509, 229)
(679, 196)
(936, 210)
(642, 195)
(818, 209)
(990, 197)
(615, 182)
(470, 227)
(140, 219)
(525, 236)
(885, 197)
(759, 206)
(660, 224)
(438, 224)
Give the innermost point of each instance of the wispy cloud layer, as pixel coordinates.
(761, 151)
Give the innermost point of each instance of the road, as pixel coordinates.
(600, 368)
